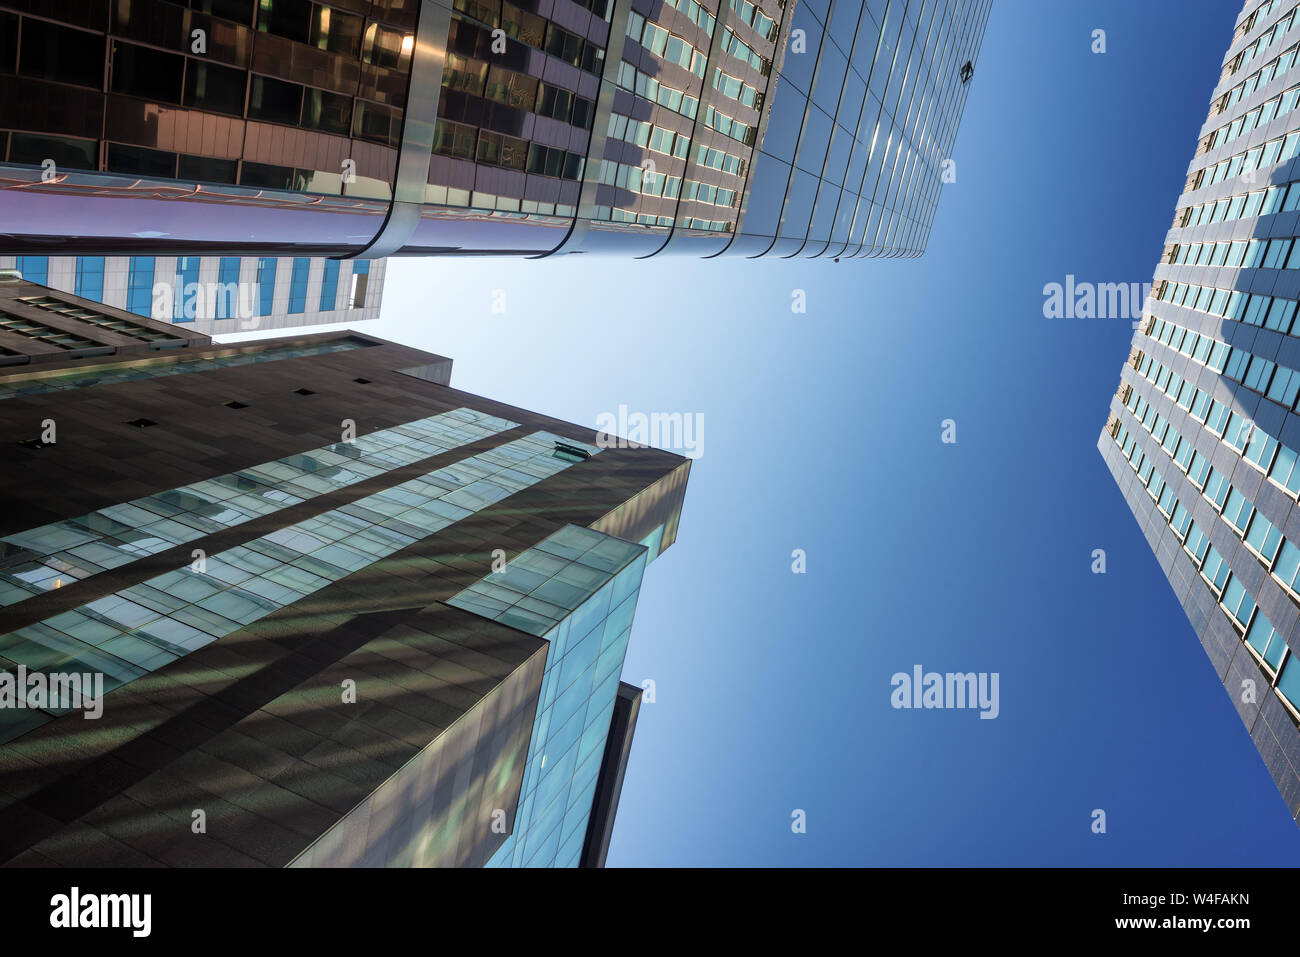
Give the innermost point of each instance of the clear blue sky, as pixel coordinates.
(822, 432)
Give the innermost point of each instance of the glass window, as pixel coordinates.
(34, 269)
(298, 285)
(90, 277)
(62, 54)
(275, 101)
(329, 289)
(327, 112)
(1215, 571)
(265, 286)
(228, 295)
(1263, 538)
(139, 290)
(1288, 565)
(218, 89)
(1238, 603)
(187, 277)
(1288, 684)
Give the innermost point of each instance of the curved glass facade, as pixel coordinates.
(481, 127)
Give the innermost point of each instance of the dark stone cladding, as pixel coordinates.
(249, 728)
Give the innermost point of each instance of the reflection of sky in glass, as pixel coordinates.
(578, 590)
(146, 626)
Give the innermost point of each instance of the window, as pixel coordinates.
(291, 19)
(329, 287)
(274, 101)
(1288, 684)
(265, 286)
(1237, 509)
(453, 139)
(327, 112)
(139, 286)
(206, 169)
(1284, 471)
(1238, 603)
(332, 29)
(485, 11)
(555, 103)
(144, 72)
(298, 285)
(228, 294)
(464, 74)
(90, 277)
(1266, 642)
(32, 149)
(138, 159)
(524, 27)
(376, 123)
(61, 54)
(218, 89)
(497, 149)
(1263, 538)
(512, 89)
(34, 269)
(360, 282)
(1216, 570)
(1260, 449)
(1288, 565)
(385, 48)
(563, 44)
(584, 113)
(187, 278)
(1196, 543)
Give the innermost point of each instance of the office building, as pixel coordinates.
(1203, 435)
(353, 128)
(343, 614)
(218, 294)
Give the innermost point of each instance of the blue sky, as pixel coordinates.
(822, 432)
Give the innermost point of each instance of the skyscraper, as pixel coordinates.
(340, 613)
(218, 294)
(1203, 434)
(357, 128)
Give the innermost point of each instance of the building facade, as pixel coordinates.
(333, 611)
(364, 128)
(1203, 434)
(218, 294)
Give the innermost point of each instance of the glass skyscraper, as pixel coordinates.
(1203, 436)
(352, 615)
(376, 127)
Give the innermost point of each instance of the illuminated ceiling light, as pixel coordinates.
(408, 43)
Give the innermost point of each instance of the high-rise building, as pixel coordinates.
(340, 613)
(218, 294)
(376, 127)
(1203, 435)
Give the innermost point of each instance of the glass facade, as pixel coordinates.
(577, 589)
(144, 627)
(1200, 436)
(739, 127)
(77, 548)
